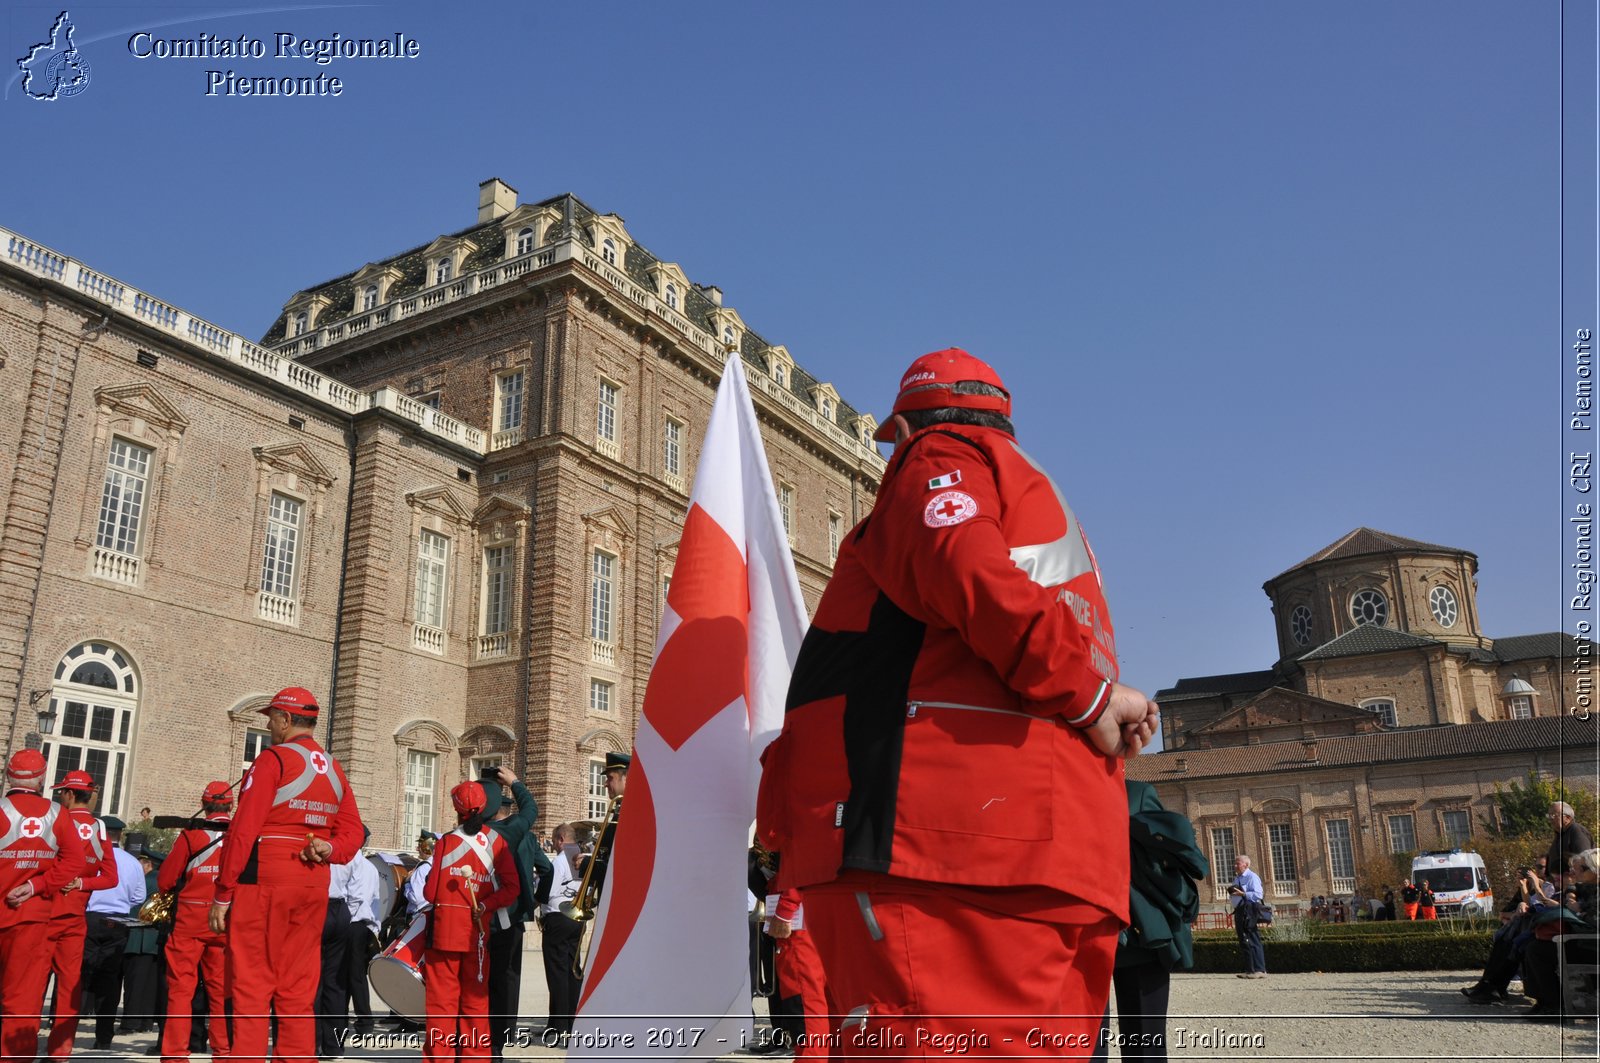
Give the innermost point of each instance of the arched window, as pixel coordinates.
(93, 699)
(727, 335)
(608, 251)
(780, 374)
(301, 322)
(443, 271)
(369, 297)
(672, 295)
(827, 408)
(525, 241)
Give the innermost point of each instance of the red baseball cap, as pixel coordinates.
(929, 385)
(468, 797)
(296, 701)
(26, 765)
(217, 791)
(75, 780)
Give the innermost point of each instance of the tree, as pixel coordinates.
(1523, 809)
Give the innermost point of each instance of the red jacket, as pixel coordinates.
(486, 862)
(197, 861)
(934, 715)
(294, 791)
(99, 866)
(38, 844)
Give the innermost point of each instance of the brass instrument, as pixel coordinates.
(587, 902)
(159, 908)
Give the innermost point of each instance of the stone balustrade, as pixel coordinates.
(118, 568)
(493, 645)
(277, 609)
(427, 638)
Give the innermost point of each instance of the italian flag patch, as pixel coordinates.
(949, 479)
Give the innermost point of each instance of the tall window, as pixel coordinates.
(835, 533)
(1457, 828)
(599, 696)
(94, 696)
(1383, 709)
(420, 770)
(600, 597)
(597, 799)
(369, 297)
(672, 448)
(1402, 834)
(1222, 856)
(605, 424)
(524, 241)
(433, 557)
(1280, 839)
(282, 547)
(1341, 856)
(786, 509)
(508, 401)
(497, 590)
(255, 740)
(122, 498)
(443, 271)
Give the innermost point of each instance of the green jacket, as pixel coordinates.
(145, 939)
(1166, 865)
(531, 859)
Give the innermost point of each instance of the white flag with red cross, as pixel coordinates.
(671, 946)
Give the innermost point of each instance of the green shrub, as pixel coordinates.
(1410, 950)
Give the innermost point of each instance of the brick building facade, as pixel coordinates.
(446, 487)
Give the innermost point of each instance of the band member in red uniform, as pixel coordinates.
(40, 852)
(194, 950)
(68, 924)
(296, 816)
(474, 875)
(947, 788)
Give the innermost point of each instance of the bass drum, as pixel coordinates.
(396, 973)
(388, 889)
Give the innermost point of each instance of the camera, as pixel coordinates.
(490, 773)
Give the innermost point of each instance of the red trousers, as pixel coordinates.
(799, 970)
(24, 970)
(66, 962)
(458, 1006)
(193, 952)
(1410, 908)
(919, 974)
(274, 964)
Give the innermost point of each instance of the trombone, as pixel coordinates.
(583, 906)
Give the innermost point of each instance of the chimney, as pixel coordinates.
(1311, 751)
(1183, 765)
(496, 199)
(714, 294)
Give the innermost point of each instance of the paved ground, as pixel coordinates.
(1411, 1016)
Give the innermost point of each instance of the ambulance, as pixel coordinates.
(1460, 881)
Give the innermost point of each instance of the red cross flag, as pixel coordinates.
(671, 947)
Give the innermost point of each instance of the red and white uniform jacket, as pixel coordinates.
(40, 845)
(934, 714)
(295, 790)
(196, 858)
(468, 867)
(99, 865)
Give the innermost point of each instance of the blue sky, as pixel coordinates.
(1257, 273)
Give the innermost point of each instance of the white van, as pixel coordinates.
(1460, 881)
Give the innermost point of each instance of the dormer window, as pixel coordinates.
(780, 374)
(525, 242)
(302, 321)
(827, 408)
(369, 297)
(608, 250)
(672, 296)
(443, 270)
(727, 336)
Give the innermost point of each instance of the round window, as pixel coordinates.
(1442, 600)
(1369, 606)
(1300, 625)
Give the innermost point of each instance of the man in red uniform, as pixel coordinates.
(947, 788)
(194, 949)
(40, 852)
(296, 816)
(474, 874)
(802, 985)
(68, 923)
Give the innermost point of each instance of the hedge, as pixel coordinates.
(1310, 930)
(1407, 951)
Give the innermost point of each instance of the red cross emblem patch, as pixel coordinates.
(31, 827)
(319, 762)
(86, 831)
(949, 507)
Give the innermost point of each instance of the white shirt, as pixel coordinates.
(415, 884)
(563, 884)
(361, 893)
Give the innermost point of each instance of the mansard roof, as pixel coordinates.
(1369, 638)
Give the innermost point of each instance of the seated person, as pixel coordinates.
(1505, 954)
(1541, 966)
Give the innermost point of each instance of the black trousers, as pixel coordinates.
(103, 954)
(505, 984)
(561, 937)
(1142, 995)
(144, 991)
(331, 991)
(360, 947)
